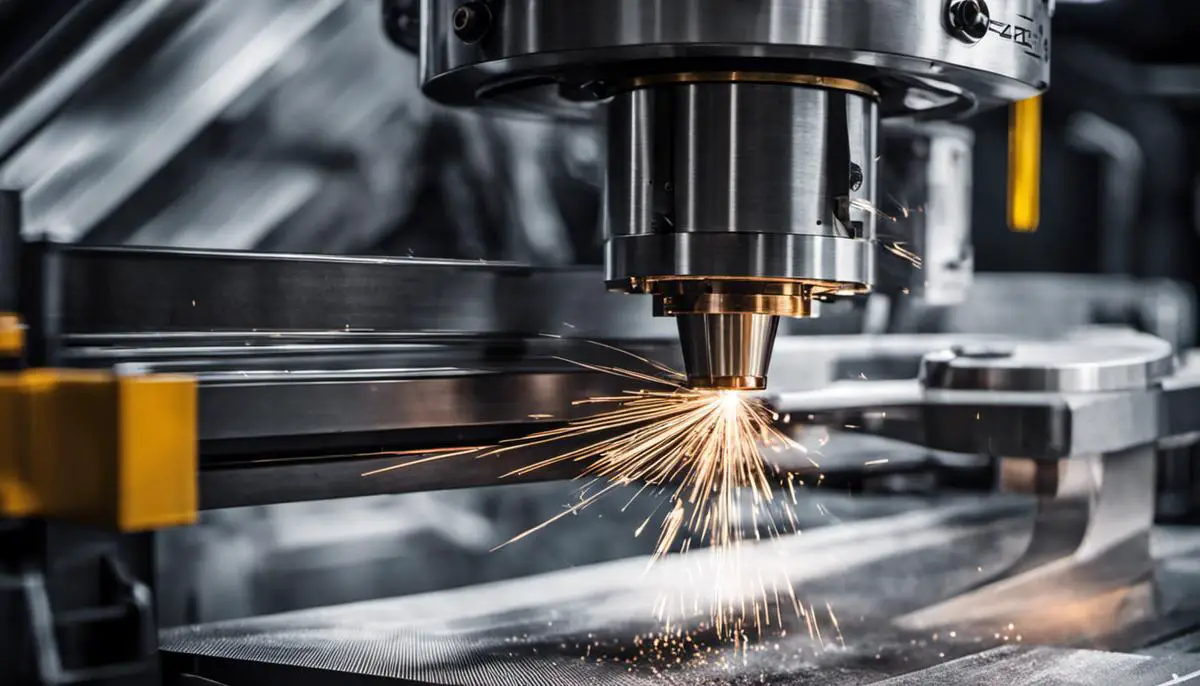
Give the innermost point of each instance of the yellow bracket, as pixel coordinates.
(1025, 165)
(98, 448)
(12, 335)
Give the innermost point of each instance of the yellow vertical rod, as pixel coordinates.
(1025, 164)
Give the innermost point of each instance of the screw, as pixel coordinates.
(472, 21)
(968, 20)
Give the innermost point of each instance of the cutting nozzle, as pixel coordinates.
(729, 352)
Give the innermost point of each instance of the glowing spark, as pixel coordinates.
(869, 207)
(871, 463)
(701, 448)
(903, 207)
(904, 253)
(836, 625)
(432, 455)
(541, 416)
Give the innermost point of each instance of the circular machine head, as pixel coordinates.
(920, 55)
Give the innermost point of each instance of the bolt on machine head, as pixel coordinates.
(742, 134)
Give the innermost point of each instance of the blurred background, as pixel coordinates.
(297, 126)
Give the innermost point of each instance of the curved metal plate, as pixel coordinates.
(1122, 362)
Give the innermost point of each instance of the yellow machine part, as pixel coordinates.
(12, 335)
(1025, 165)
(98, 448)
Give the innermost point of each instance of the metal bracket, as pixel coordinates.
(1089, 546)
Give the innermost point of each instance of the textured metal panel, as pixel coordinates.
(578, 626)
(1033, 666)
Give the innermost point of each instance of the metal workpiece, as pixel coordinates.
(1118, 362)
(104, 291)
(551, 55)
(1046, 401)
(344, 406)
(727, 351)
(871, 568)
(1090, 539)
(925, 190)
(273, 439)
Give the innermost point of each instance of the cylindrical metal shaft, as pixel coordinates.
(736, 202)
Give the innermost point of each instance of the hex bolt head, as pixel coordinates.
(472, 21)
(968, 20)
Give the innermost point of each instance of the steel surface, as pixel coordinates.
(593, 38)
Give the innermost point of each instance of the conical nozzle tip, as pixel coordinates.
(727, 351)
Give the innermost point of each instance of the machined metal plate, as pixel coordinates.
(130, 290)
(535, 42)
(1031, 666)
(1118, 361)
(578, 626)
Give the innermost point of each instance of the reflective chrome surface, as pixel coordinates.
(582, 40)
(778, 256)
(727, 351)
(741, 157)
(1116, 362)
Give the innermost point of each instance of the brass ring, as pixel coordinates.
(831, 82)
(727, 383)
(734, 303)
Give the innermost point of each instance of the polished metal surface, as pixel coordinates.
(126, 291)
(768, 187)
(1115, 392)
(577, 626)
(340, 407)
(723, 180)
(1037, 665)
(726, 118)
(926, 191)
(1091, 537)
(741, 158)
(536, 630)
(727, 351)
(578, 41)
(1117, 361)
(1043, 426)
(732, 255)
